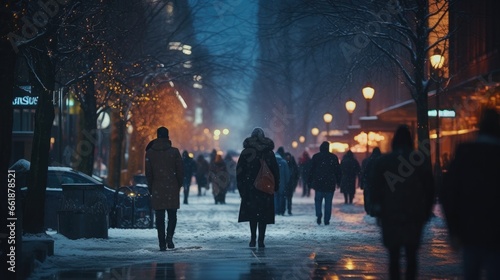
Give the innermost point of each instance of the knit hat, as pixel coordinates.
(162, 132)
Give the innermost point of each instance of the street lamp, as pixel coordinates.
(437, 62)
(368, 92)
(350, 106)
(328, 118)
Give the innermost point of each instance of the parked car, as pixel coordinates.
(135, 209)
(56, 177)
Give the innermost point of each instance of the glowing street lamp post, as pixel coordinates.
(368, 92)
(437, 61)
(350, 106)
(328, 118)
(315, 132)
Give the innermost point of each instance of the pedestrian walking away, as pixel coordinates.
(402, 201)
(256, 207)
(189, 170)
(366, 171)
(350, 172)
(279, 196)
(201, 175)
(469, 197)
(324, 177)
(219, 177)
(164, 174)
(304, 168)
(292, 183)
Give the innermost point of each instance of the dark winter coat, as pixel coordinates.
(256, 205)
(325, 172)
(471, 193)
(202, 170)
(189, 167)
(218, 176)
(402, 197)
(164, 173)
(350, 171)
(294, 175)
(284, 172)
(305, 167)
(366, 171)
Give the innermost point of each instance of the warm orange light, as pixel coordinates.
(350, 106)
(315, 131)
(368, 92)
(328, 118)
(437, 59)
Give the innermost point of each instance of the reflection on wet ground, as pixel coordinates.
(263, 265)
(323, 269)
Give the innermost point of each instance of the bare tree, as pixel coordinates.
(404, 33)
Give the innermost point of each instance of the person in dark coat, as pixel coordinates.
(201, 175)
(470, 197)
(292, 184)
(324, 177)
(279, 196)
(256, 207)
(231, 169)
(304, 169)
(350, 172)
(219, 177)
(164, 174)
(366, 169)
(189, 170)
(402, 198)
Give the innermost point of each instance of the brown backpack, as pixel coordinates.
(264, 181)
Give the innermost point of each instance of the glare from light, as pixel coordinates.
(315, 131)
(225, 131)
(368, 92)
(302, 139)
(437, 59)
(350, 106)
(328, 118)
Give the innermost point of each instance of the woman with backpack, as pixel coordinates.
(257, 207)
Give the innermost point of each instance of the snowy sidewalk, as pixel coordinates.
(211, 244)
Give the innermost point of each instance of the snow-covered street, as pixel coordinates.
(211, 244)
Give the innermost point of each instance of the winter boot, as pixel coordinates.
(262, 234)
(253, 234)
(170, 243)
(161, 240)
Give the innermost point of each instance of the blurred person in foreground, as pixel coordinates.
(325, 175)
(366, 169)
(470, 197)
(402, 200)
(256, 207)
(164, 174)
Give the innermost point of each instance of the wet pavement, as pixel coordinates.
(211, 245)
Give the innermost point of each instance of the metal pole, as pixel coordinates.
(437, 164)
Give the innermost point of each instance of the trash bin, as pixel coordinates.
(83, 212)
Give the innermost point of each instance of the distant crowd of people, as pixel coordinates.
(398, 189)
